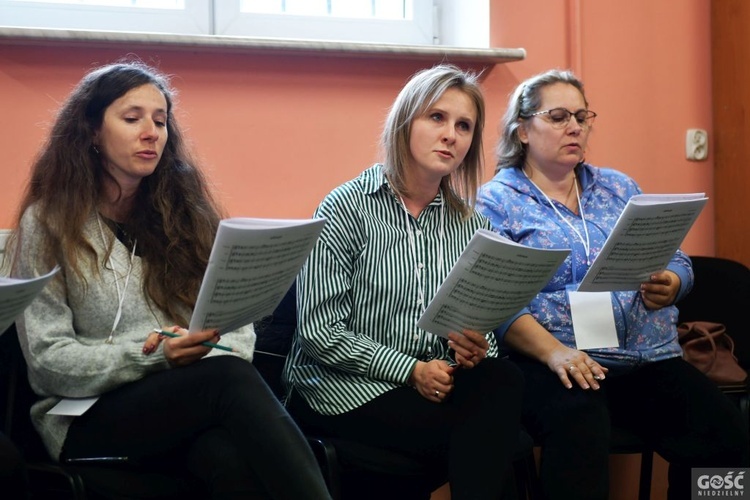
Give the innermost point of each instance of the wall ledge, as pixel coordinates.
(250, 45)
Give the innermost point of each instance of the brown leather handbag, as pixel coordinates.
(708, 347)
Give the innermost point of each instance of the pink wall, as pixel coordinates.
(647, 69)
(277, 133)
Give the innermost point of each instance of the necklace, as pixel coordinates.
(123, 235)
(585, 242)
(120, 294)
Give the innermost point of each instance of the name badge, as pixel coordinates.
(593, 319)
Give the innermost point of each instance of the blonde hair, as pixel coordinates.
(424, 89)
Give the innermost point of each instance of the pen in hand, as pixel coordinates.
(207, 344)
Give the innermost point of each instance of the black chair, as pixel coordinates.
(624, 442)
(720, 294)
(100, 478)
(351, 468)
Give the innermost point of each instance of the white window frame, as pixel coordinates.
(195, 19)
(416, 31)
(460, 23)
(463, 23)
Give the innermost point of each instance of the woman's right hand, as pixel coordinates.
(530, 338)
(433, 379)
(572, 364)
(187, 348)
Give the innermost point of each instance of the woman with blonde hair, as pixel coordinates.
(360, 368)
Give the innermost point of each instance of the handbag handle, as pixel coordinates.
(708, 347)
(730, 344)
(700, 334)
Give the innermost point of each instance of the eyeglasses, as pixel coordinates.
(559, 117)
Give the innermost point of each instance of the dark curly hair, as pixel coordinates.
(177, 217)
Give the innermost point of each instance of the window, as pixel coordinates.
(171, 16)
(410, 22)
(153, 4)
(383, 21)
(381, 9)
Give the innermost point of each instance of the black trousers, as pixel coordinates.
(471, 435)
(670, 404)
(217, 418)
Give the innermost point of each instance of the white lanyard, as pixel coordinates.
(586, 243)
(120, 294)
(419, 266)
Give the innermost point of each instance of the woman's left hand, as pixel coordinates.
(661, 290)
(152, 343)
(470, 347)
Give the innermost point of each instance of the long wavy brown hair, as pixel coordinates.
(176, 217)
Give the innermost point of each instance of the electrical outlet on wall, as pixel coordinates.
(696, 144)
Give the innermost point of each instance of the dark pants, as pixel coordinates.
(670, 404)
(216, 418)
(472, 435)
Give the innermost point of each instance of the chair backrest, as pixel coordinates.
(7, 380)
(721, 294)
(274, 340)
(106, 478)
(17, 397)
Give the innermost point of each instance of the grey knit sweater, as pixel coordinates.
(63, 331)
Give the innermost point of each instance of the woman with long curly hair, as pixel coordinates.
(116, 201)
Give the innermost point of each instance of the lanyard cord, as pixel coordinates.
(586, 242)
(418, 266)
(120, 294)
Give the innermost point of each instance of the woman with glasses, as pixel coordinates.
(545, 195)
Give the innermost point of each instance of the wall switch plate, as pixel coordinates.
(696, 144)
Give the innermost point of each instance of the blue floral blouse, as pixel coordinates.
(519, 211)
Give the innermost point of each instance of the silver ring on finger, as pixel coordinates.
(437, 394)
(571, 368)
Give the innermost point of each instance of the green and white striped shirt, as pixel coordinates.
(358, 299)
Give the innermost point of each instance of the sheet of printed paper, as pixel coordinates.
(492, 280)
(16, 294)
(252, 265)
(645, 238)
